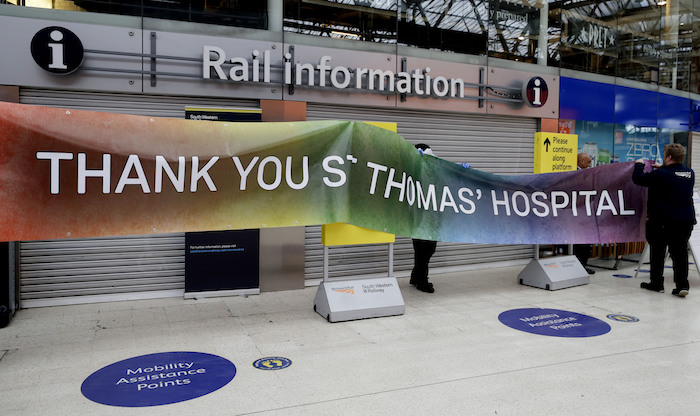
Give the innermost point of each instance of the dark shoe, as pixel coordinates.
(412, 281)
(426, 287)
(589, 270)
(648, 286)
(680, 292)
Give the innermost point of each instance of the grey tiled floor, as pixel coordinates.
(447, 355)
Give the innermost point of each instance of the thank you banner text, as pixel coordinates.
(68, 174)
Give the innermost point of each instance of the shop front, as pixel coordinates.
(469, 110)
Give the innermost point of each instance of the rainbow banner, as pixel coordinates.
(69, 174)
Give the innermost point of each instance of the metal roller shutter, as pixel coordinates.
(61, 272)
(142, 105)
(101, 269)
(496, 144)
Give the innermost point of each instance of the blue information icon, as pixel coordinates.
(158, 379)
(554, 322)
(272, 363)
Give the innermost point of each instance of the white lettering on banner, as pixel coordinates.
(132, 166)
(418, 82)
(271, 173)
(560, 200)
(518, 202)
(342, 178)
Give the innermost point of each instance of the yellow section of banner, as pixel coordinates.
(555, 152)
(341, 234)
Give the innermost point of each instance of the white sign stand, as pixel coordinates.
(345, 300)
(643, 259)
(554, 273)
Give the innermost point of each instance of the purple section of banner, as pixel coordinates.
(597, 205)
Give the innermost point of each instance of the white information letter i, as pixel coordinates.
(536, 101)
(57, 56)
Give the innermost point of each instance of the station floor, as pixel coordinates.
(447, 355)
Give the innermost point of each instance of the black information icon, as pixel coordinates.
(57, 50)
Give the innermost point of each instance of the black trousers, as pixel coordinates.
(423, 251)
(583, 253)
(673, 236)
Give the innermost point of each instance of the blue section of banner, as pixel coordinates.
(158, 379)
(554, 322)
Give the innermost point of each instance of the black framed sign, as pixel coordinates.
(222, 260)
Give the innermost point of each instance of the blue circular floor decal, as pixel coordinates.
(157, 379)
(554, 322)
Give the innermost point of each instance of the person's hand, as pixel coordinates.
(656, 164)
(639, 161)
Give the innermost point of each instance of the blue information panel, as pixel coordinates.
(157, 379)
(554, 322)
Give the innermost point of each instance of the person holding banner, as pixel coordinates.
(670, 216)
(583, 251)
(583, 161)
(424, 249)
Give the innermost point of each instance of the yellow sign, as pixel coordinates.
(341, 234)
(555, 152)
(383, 124)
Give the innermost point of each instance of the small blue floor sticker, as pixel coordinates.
(554, 322)
(158, 379)
(623, 276)
(272, 363)
(622, 318)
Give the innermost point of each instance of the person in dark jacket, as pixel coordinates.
(670, 216)
(424, 249)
